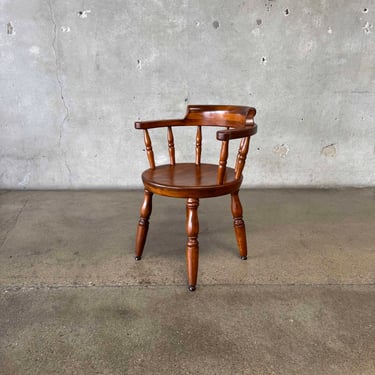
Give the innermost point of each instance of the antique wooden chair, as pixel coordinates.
(197, 180)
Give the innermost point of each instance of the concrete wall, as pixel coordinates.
(75, 75)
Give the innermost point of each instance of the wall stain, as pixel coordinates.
(83, 13)
(367, 27)
(268, 5)
(281, 150)
(256, 31)
(10, 29)
(329, 150)
(34, 50)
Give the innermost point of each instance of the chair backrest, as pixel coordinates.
(238, 121)
(220, 115)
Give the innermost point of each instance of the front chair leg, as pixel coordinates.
(239, 225)
(143, 224)
(192, 247)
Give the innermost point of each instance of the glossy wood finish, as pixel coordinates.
(239, 225)
(187, 180)
(150, 152)
(192, 246)
(172, 160)
(143, 224)
(198, 145)
(222, 162)
(193, 181)
(241, 156)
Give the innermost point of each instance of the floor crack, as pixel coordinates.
(14, 225)
(67, 113)
(15, 288)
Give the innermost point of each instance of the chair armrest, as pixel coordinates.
(226, 135)
(157, 124)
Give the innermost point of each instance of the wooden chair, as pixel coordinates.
(197, 180)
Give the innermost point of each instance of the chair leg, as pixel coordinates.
(239, 225)
(192, 246)
(143, 224)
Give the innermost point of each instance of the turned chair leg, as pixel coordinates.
(192, 246)
(143, 224)
(239, 225)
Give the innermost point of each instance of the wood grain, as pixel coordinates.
(197, 180)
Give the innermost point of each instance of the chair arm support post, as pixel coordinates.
(150, 152)
(198, 145)
(172, 160)
(222, 162)
(241, 156)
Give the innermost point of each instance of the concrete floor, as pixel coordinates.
(73, 300)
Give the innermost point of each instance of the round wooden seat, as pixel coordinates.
(188, 180)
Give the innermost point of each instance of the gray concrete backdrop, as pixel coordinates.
(75, 75)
